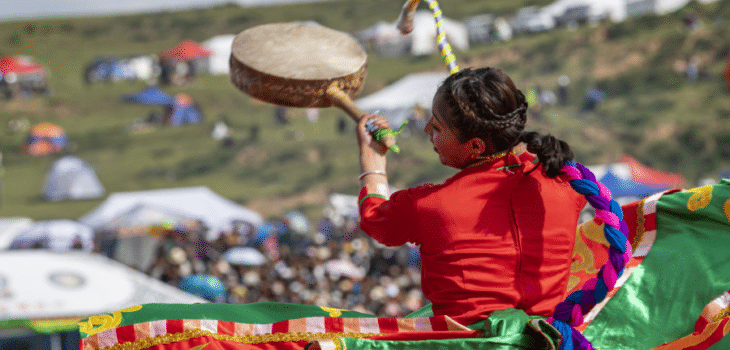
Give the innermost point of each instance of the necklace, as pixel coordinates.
(484, 159)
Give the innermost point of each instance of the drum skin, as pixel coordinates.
(293, 64)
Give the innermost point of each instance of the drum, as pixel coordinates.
(300, 65)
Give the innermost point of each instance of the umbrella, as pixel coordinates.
(204, 286)
(244, 256)
(345, 268)
(297, 221)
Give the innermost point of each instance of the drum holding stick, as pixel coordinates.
(301, 65)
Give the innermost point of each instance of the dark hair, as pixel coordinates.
(486, 104)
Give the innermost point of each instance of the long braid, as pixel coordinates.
(569, 313)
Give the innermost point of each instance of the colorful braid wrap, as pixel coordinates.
(569, 313)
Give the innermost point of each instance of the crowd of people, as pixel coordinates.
(333, 266)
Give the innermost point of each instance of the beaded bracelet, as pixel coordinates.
(380, 172)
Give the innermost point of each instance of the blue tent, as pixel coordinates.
(181, 109)
(626, 188)
(152, 95)
(184, 111)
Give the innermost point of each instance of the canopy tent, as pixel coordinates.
(650, 176)
(19, 66)
(55, 235)
(140, 218)
(629, 178)
(45, 138)
(182, 62)
(20, 74)
(71, 178)
(397, 101)
(620, 187)
(186, 50)
(132, 236)
(216, 212)
(75, 284)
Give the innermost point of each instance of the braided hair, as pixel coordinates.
(486, 104)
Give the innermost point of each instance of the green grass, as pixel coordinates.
(296, 166)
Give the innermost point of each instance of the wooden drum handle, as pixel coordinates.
(344, 102)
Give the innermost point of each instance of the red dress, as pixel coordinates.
(490, 237)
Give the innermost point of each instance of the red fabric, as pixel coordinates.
(226, 327)
(650, 176)
(280, 327)
(185, 51)
(210, 343)
(727, 73)
(490, 239)
(126, 334)
(631, 217)
(429, 335)
(12, 64)
(175, 326)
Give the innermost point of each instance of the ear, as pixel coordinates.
(478, 146)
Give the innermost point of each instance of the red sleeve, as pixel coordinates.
(391, 222)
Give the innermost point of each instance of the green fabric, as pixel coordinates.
(42, 326)
(254, 313)
(503, 330)
(686, 268)
(424, 311)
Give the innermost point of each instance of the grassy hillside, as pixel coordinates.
(652, 112)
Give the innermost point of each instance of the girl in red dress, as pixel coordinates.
(497, 235)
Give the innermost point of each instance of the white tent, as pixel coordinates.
(588, 10)
(11, 227)
(387, 40)
(341, 207)
(71, 178)
(424, 34)
(55, 235)
(39, 284)
(221, 47)
(215, 211)
(660, 7)
(127, 239)
(397, 100)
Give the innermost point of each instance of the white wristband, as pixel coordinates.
(379, 172)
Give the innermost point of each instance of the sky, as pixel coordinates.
(25, 9)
